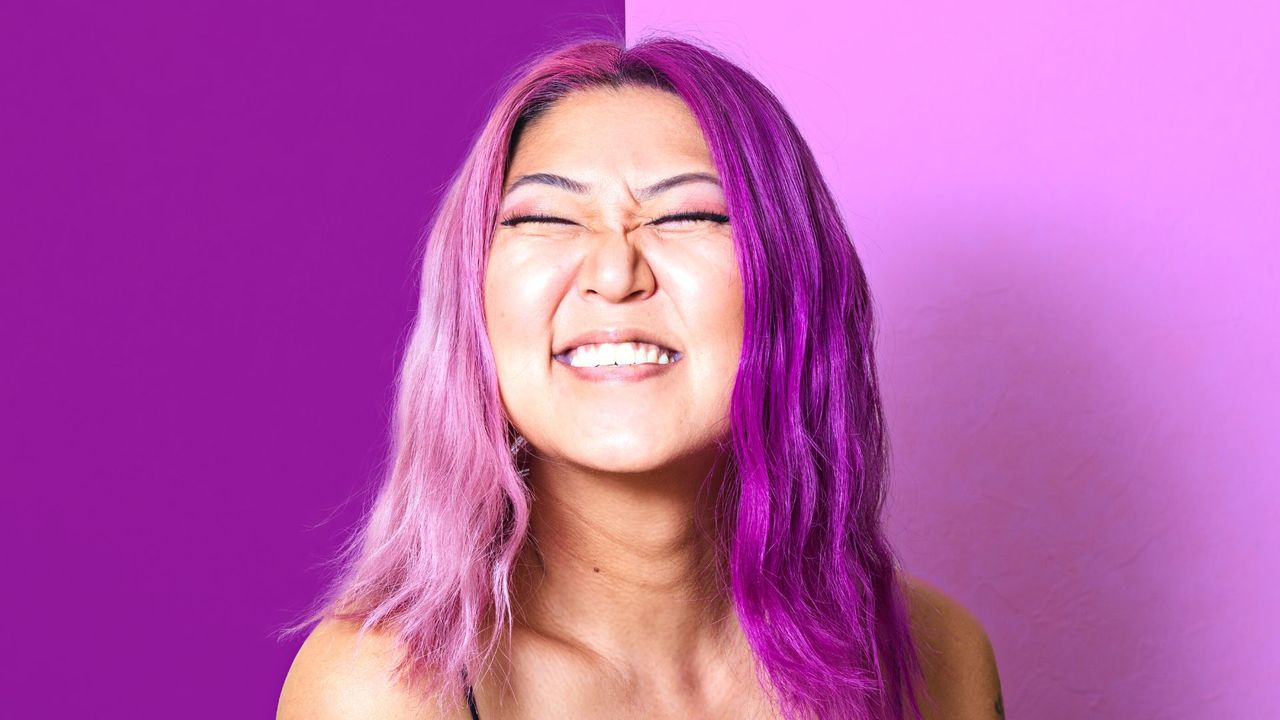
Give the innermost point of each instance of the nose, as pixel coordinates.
(615, 269)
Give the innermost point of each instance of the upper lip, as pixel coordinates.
(617, 335)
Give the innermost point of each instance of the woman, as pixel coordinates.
(639, 456)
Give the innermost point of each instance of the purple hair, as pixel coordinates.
(813, 579)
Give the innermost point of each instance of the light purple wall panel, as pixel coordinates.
(1070, 213)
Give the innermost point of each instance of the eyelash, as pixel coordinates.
(696, 216)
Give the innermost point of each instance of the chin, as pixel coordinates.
(621, 455)
(628, 454)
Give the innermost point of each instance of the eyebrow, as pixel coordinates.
(644, 193)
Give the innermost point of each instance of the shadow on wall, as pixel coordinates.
(1039, 456)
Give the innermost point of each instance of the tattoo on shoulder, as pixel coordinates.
(999, 704)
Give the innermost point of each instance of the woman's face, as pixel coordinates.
(564, 297)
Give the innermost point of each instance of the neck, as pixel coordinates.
(620, 566)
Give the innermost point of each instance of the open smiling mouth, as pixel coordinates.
(619, 361)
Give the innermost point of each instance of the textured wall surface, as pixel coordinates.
(210, 219)
(1070, 213)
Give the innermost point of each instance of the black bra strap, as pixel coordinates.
(471, 698)
(471, 704)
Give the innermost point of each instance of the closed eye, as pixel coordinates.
(512, 222)
(717, 218)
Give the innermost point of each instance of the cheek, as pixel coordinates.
(707, 289)
(724, 316)
(520, 297)
(706, 292)
(716, 317)
(728, 329)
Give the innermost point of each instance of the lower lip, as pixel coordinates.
(620, 373)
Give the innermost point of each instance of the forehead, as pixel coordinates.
(625, 130)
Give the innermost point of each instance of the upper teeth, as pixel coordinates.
(627, 353)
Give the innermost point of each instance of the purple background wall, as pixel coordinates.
(1070, 214)
(209, 225)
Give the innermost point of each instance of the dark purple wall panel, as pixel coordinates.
(208, 247)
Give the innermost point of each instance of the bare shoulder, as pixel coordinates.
(339, 674)
(959, 661)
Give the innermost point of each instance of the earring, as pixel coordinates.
(517, 456)
(518, 444)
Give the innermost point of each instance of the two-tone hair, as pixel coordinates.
(810, 573)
